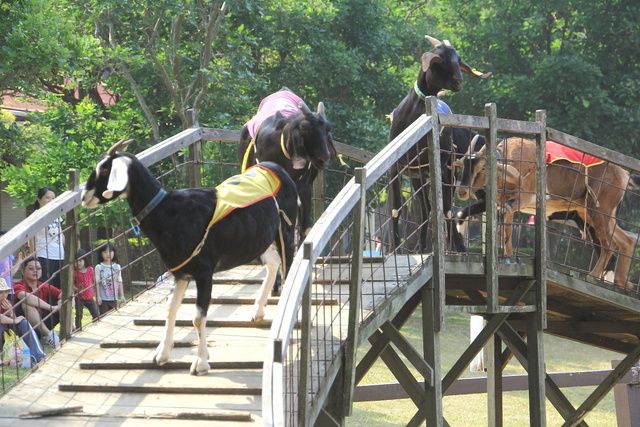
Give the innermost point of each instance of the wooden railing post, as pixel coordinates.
(492, 235)
(305, 344)
(355, 292)
(433, 295)
(195, 157)
(437, 214)
(71, 246)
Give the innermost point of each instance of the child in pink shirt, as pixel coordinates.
(84, 285)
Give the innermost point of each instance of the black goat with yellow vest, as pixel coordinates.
(192, 245)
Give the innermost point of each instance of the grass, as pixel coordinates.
(471, 410)
(9, 375)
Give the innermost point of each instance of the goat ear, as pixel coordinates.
(429, 58)
(118, 178)
(466, 68)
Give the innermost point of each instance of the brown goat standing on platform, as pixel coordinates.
(593, 192)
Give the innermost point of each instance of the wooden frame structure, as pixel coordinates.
(513, 298)
(312, 381)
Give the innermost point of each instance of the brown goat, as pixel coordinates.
(594, 192)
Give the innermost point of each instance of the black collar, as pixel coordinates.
(135, 221)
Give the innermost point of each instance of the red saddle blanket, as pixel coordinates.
(557, 152)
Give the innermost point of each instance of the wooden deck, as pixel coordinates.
(105, 374)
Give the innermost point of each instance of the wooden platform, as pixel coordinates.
(104, 375)
(579, 307)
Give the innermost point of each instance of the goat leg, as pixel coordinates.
(165, 346)
(271, 259)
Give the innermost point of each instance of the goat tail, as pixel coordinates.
(634, 181)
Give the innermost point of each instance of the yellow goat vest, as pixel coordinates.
(239, 191)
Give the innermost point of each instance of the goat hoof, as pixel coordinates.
(160, 360)
(199, 367)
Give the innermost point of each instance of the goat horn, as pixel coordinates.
(303, 107)
(472, 146)
(320, 109)
(433, 41)
(119, 146)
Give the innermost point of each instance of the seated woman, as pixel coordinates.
(33, 299)
(20, 325)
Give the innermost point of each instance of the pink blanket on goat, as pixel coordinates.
(284, 101)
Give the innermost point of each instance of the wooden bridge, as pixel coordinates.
(299, 366)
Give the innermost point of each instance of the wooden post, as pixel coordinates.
(195, 157)
(627, 397)
(437, 214)
(541, 221)
(432, 355)
(494, 381)
(305, 345)
(491, 244)
(71, 246)
(536, 368)
(355, 292)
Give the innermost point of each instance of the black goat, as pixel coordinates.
(182, 227)
(286, 132)
(441, 68)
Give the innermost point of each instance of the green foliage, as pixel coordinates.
(59, 139)
(578, 60)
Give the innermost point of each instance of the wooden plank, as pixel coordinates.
(89, 388)
(168, 365)
(354, 153)
(144, 344)
(251, 301)
(53, 412)
(210, 323)
(227, 416)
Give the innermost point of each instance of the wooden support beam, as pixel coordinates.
(379, 342)
(464, 386)
(494, 381)
(490, 328)
(605, 387)
(536, 369)
(519, 348)
(409, 352)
